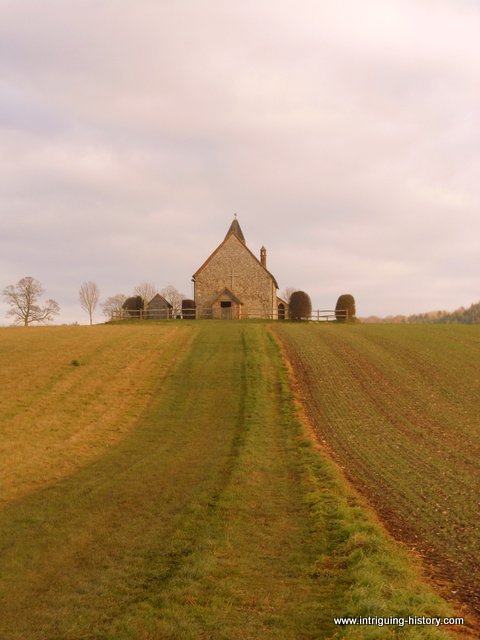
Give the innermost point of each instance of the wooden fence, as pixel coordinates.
(328, 315)
(319, 315)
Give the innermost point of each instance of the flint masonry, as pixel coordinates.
(233, 283)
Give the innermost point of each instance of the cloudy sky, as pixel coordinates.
(344, 134)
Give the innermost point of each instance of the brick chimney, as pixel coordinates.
(263, 257)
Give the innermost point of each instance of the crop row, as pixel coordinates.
(399, 408)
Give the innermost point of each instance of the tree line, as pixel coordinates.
(26, 308)
(470, 315)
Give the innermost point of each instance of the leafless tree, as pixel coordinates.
(23, 300)
(113, 306)
(286, 294)
(174, 297)
(146, 290)
(89, 295)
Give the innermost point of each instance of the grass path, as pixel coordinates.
(214, 518)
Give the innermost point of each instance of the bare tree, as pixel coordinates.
(113, 306)
(146, 290)
(23, 300)
(287, 293)
(174, 297)
(89, 295)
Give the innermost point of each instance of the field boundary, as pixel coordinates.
(316, 315)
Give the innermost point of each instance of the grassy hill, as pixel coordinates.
(164, 487)
(68, 394)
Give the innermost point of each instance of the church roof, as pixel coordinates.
(236, 230)
(226, 292)
(157, 298)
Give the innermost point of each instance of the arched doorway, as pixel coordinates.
(281, 311)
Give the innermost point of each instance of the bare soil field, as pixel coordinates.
(399, 409)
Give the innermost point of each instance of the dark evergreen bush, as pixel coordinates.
(300, 306)
(133, 306)
(345, 308)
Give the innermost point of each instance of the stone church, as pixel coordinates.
(233, 283)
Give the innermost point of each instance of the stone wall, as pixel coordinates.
(233, 267)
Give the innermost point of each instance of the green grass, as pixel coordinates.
(399, 408)
(214, 517)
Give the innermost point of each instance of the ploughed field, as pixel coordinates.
(399, 408)
(157, 483)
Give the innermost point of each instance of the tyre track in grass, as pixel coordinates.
(190, 527)
(250, 576)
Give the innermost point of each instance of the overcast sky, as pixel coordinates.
(344, 134)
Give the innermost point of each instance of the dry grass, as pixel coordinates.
(69, 393)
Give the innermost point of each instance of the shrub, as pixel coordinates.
(188, 309)
(300, 306)
(133, 306)
(345, 308)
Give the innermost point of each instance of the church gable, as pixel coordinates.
(233, 267)
(227, 296)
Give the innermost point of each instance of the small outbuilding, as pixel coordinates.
(159, 308)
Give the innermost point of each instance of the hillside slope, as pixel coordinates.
(68, 394)
(399, 408)
(213, 517)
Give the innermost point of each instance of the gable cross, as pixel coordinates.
(233, 275)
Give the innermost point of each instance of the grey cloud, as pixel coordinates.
(345, 135)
